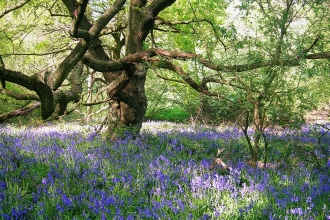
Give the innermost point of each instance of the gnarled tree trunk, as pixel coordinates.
(128, 107)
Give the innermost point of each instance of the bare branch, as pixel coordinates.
(316, 56)
(160, 21)
(118, 84)
(157, 6)
(103, 123)
(78, 16)
(96, 103)
(173, 24)
(168, 79)
(55, 79)
(18, 96)
(113, 29)
(19, 112)
(14, 7)
(35, 54)
(34, 83)
(99, 92)
(313, 44)
(75, 83)
(120, 64)
(185, 76)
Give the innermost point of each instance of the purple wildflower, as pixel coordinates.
(50, 179)
(66, 200)
(59, 208)
(130, 217)
(298, 211)
(205, 217)
(44, 181)
(180, 205)
(295, 199)
(3, 185)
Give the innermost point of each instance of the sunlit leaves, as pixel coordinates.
(40, 27)
(193, 20)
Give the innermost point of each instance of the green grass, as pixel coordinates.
(175, 114)
(9, 104)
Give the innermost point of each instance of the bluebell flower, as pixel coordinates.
(304, 187)
(6, 216)
(3, 185)
(59, 208)
(272, 190)
(110, 201)
(280, 202)
(17, 213)
(42, 208)
(44, 181)
(205, 163)
(295, 199)
(35, 197)
(180, 205)
(130, 217)
(205, 217)
(91, 137)
(115, 180)
(298, 211)
(66, 200)
(164, 159)
(156, 205)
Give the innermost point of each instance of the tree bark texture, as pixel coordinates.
(128, 107)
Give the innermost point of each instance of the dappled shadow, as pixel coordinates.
(48, 172)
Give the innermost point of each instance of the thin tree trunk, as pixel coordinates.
(258, 120)
(90, 82)
(266, 150)
(246, 135)
(256, 143)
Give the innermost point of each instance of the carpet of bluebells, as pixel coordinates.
(65, 171)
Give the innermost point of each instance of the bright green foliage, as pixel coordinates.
(175, 114)
(264, 34)
(29, 33)
(194, 27)
(9, 104)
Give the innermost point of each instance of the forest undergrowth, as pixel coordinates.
(66, 171)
